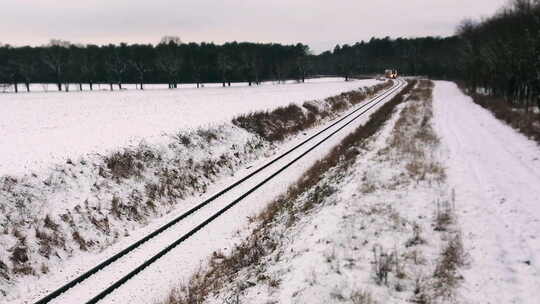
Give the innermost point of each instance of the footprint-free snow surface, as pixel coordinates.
(496, 175)
(41, 129)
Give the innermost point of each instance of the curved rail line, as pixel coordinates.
(51, 296)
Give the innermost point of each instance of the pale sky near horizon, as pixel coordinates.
(319, 23)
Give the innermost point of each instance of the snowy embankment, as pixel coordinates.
(38, 130)
(372, 222)
(441, 206)
(89, 204)
(496, 175)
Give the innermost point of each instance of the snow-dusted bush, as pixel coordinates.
(88, 204)
(282, 122)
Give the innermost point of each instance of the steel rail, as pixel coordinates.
(51, 296)
(163, 252)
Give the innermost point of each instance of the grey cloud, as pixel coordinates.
(320, 23)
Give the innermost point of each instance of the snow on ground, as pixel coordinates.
(374, 216)
(482, 181)
(492, 177)
(41, 129)
(66, 221)
(105, 209)
(157, 280)
(496, 175)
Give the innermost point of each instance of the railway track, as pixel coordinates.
(128, 263)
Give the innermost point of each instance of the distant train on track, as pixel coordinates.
(391, 74)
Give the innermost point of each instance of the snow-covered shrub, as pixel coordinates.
(282, 122)
(88, 204)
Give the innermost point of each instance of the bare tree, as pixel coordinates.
(301, 65)
(141, 69)
(88, 67)
(141, 59)
(170, 65)
(169, 59)
(117, 66)
(255, 66)
(56, 57)
(224, 66)
(27, 70)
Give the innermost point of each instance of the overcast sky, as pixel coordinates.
(319, 23)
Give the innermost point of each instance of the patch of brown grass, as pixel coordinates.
(282, 122)
(446, 272)
(275, 125)
(414, 119)
(519, 119)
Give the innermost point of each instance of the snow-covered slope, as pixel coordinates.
(378, 224)
(496, 175)
(449, 214)
(89, 207)
(40, 129)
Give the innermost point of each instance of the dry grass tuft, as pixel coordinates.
(4, 271)
(275, 125)
(444, 216)
(362, 297)
(124, 165)
(446, 273)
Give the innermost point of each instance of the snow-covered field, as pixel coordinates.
(386, 208)
(41, 129)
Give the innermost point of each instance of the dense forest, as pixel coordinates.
(171, 61)
(500, 54)
(432, 56)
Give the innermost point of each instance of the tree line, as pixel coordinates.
(174, 62)
(431, 56)
(501, 54)
(171, 61)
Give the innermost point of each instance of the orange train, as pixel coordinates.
(391, 74)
